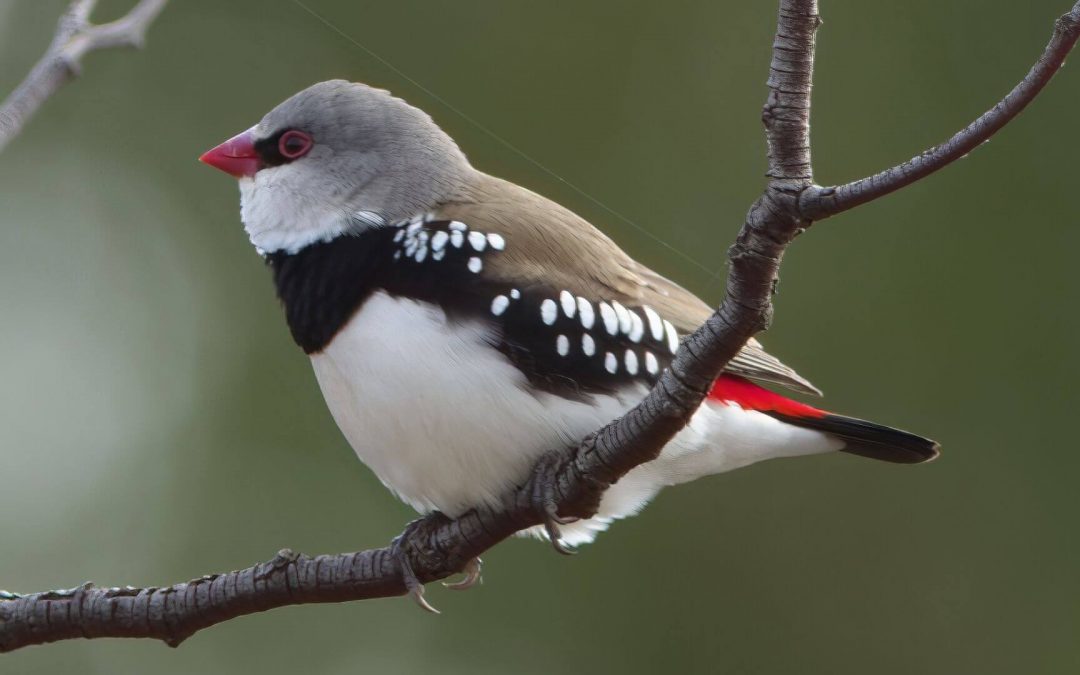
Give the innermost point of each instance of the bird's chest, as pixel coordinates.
(444, 420)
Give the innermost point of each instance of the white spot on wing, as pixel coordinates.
(438, 255)
(586, 311)
(637, 327)
(456, 239)
(457, 226)
(650, 363)
(438, 240)
(475, 265)
(623, 315)
(656, 326)
(399, 236)
(588, 345)
(611, 364)
(496, 240)
(515, 293)
(567, 302)
(548, 311)
(414, 227)
(672, 336)
(499, 305)
(562, 345)
(477, 240)
(421, 253)
(631, 362)
(611, 322)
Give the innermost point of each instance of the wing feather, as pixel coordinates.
(548, 245)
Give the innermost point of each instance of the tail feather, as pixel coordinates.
(868, 439)
(862, 438)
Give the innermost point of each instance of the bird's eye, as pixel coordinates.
(294, 144)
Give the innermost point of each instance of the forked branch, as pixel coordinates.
(443, 546)
(75, 37)
(820, 203)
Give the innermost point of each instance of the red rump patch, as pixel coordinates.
(749, 396)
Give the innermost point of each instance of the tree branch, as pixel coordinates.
(75, 37)
(820, 203)
(441, 546)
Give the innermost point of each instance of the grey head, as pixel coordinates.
(339, 156)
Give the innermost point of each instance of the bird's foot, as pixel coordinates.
(543, 489)
(472, 576)
(417, 528)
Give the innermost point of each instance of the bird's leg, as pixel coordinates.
(417, 528)
(544, 496)
(472, 576)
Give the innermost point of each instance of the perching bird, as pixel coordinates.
(461, 326)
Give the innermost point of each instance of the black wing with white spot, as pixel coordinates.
(564, 343)
(568, 343)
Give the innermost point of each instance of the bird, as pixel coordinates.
(461, 326)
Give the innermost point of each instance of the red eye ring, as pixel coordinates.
(294, 144)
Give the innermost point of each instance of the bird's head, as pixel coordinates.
(335, 158)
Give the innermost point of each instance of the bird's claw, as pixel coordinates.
(417, 594)
(408, 576)
(544, 492)
(415, 588)
(472, 576)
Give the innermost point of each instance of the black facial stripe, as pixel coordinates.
(267, 148)
(564, 344)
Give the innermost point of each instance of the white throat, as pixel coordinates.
(279, 218)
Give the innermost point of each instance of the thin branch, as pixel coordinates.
(820, 203)
(75, 37)
(439, 546)
(79, 15)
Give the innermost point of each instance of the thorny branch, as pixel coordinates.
(443, 546)
(75, 37)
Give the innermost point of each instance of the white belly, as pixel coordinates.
(444, 420)
(448, 423)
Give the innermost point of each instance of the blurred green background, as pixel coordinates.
(157, 423)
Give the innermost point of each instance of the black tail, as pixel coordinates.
(868, 439)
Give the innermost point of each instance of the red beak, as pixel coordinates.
(235, 156)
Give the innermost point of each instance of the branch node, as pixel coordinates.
(1068, 23)
(74, 38)
(284, 557)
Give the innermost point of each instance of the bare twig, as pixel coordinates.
(75, 37)
(820, 203)
(443, 546)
